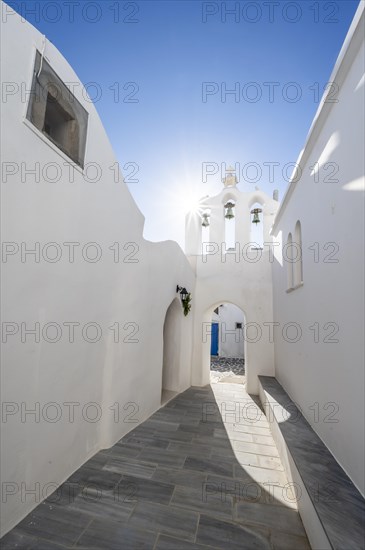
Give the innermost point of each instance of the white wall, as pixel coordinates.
(134, 292)
(324, 378)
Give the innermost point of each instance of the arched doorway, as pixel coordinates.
(171, 363)
(224, 347)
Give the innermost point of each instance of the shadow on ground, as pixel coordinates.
(202, 472)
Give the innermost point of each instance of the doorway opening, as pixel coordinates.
(227, 345)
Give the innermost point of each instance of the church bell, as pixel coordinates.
(205, 221)
(256, 217)
(229, 211)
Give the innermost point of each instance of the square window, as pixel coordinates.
(56, 112)
(58, 124)
(238, 325)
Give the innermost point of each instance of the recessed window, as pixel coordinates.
(56, 112)
(298, 265)
(239, 325)
(230, 225)
(293, 257)
(288, 257)
(257, 227)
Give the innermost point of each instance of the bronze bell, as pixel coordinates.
(229, 211)
(256, 212)
(205, 222)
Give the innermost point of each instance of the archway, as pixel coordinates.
(257, 228)
(171, 363)
(226, 345)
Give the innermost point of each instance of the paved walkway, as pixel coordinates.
(227, 369)
(202, 472)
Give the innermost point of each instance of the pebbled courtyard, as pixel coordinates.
(227, 369)
(231, 365)
(202, 472)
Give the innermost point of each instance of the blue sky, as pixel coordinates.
(167, 121)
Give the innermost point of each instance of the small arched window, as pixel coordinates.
(230, 224)
(257, 226)
(288, 259)
(205, 226)
(298, 255)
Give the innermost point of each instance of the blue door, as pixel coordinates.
(214, 343)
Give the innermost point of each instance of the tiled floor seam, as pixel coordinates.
(253, 526)
(172, 495)
(82, 532)
(257, 453)
(197, 528)
(252, 442)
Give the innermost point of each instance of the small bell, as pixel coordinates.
(256, 212)
(229, 214)
(205, 222)
(229, 211)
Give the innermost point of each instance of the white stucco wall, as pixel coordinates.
(326, 379)
(119, 373)
(241, 277)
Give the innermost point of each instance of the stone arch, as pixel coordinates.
(229, 196)
(257, 230)
(229, 224)
(259, 198)
(206, 335)
(172, 342)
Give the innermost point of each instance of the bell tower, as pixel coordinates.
(230, 179)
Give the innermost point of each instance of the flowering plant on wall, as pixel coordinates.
(186, 303)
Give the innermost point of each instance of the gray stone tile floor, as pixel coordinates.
(202, 472)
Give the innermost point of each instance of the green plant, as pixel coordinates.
(186, 303)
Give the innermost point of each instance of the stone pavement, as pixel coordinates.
(227, 370)
(227, 364)
(202, 472)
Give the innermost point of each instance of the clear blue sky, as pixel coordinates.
(169, 49)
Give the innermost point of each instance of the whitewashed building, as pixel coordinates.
(92, 324)
(88, 300)
(323, 212)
